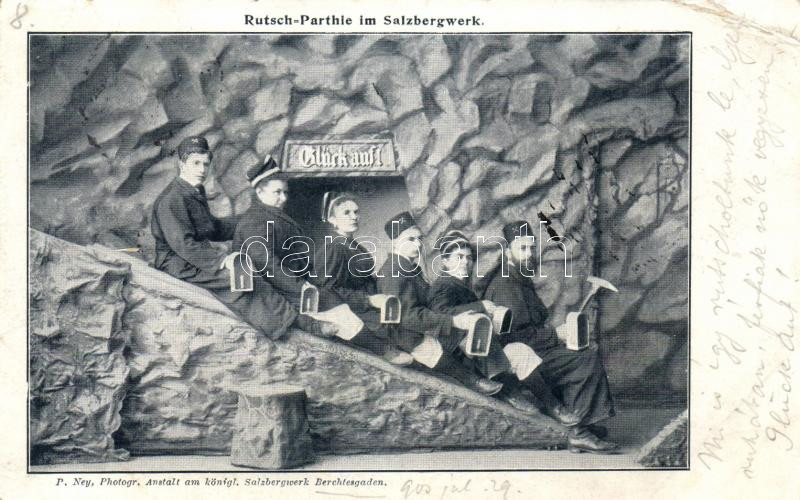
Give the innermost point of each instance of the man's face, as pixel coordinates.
(408, 243)
(195, 167)
(521, 251)
(459, 263)
(345, 217)
(273, 193)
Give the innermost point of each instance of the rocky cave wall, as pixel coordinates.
(643, 249)
(589, 130)
(78, 369)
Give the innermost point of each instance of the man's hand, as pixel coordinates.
(227, 263)
(327, 329)
(464, 320)
(378, 300)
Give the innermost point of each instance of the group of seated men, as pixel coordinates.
(525, 366)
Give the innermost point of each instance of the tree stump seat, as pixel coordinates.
(271, 429)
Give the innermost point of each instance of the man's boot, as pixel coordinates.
(552, 405)
(567, 418)
(314, 326)
(583, 441)
(453, 368)
(598, 430)
(514, 394)
(397, 357)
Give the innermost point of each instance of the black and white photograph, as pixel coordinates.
(358, 251)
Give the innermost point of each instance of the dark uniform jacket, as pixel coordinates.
(346, 269)
(577, 378)
(183, 228)
(277, 228)
(517, 293)
(453, 296)
(399, 276)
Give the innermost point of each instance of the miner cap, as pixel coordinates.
(195, 144)
(262, 171)
(453, 240)
(516, 229)
(331, 199)
(399, 223)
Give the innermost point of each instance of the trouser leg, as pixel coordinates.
(448, 365)
(263, 308)
(540, 390)
(370, 341)
(579, 378)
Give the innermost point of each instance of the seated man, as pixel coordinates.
(577, 378)
(183, 228)
(401, 275)
(451, 293)
(271, 239)
(345, 270)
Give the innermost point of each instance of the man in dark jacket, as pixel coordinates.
(184, 229)
(183, 226)
(268, 234)
(277, 249)
(577, 378)
(512, 363)
(401, 275)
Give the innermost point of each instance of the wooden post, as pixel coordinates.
(271, 429)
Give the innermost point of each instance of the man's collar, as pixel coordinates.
(404, 264)
(330, 230)
(515, 271)
(463, 283)
(406, 259)
(188, 188)
(274, 212)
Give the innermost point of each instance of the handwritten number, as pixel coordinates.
(505, 486)
(16, 23)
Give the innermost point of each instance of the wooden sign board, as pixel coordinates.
(337, 157)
